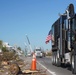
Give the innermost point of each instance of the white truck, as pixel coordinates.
(38, 52)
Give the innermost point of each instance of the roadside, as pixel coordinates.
(19, 67)
(48, 56)
(39, 67)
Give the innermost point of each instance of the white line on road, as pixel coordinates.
(51, 72)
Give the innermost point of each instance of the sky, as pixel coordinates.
(33, 18)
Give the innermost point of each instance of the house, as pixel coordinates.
(6, 44)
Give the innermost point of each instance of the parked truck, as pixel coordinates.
(64, 39)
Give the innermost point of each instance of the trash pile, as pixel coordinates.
(11, 64)
(6, 59)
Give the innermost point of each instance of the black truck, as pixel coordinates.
(64, 39)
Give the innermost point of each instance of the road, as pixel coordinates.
(52, 70)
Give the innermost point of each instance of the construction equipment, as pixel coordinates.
(64, 40)
(29, 44)
(25, 49)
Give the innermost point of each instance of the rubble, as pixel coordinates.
(4, 63)
(17, 66)
(14, 69)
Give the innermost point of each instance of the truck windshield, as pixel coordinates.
(38, 50)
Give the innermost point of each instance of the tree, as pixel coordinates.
(4, 49)
(1, 44)
(19, 48)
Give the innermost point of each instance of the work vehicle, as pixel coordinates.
(64, 39)
(38, 52)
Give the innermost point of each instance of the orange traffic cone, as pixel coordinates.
(33, 65)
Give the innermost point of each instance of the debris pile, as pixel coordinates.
(11, 64)
(6, 62)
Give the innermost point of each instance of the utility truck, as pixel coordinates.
(38, 52)
(64, 39)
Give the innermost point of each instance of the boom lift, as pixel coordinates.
(29, 44)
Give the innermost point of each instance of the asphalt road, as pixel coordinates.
(51, 69)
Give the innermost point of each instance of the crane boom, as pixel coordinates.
(29, 43)
(28, 39)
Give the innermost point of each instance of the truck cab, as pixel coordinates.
(38, 52)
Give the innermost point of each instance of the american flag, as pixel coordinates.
(49, 37)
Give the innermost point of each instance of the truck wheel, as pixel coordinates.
(57, 61)
(72, 63)
(53, 60)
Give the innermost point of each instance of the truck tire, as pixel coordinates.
(58, 63)
(73, 63)
(53, 58)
